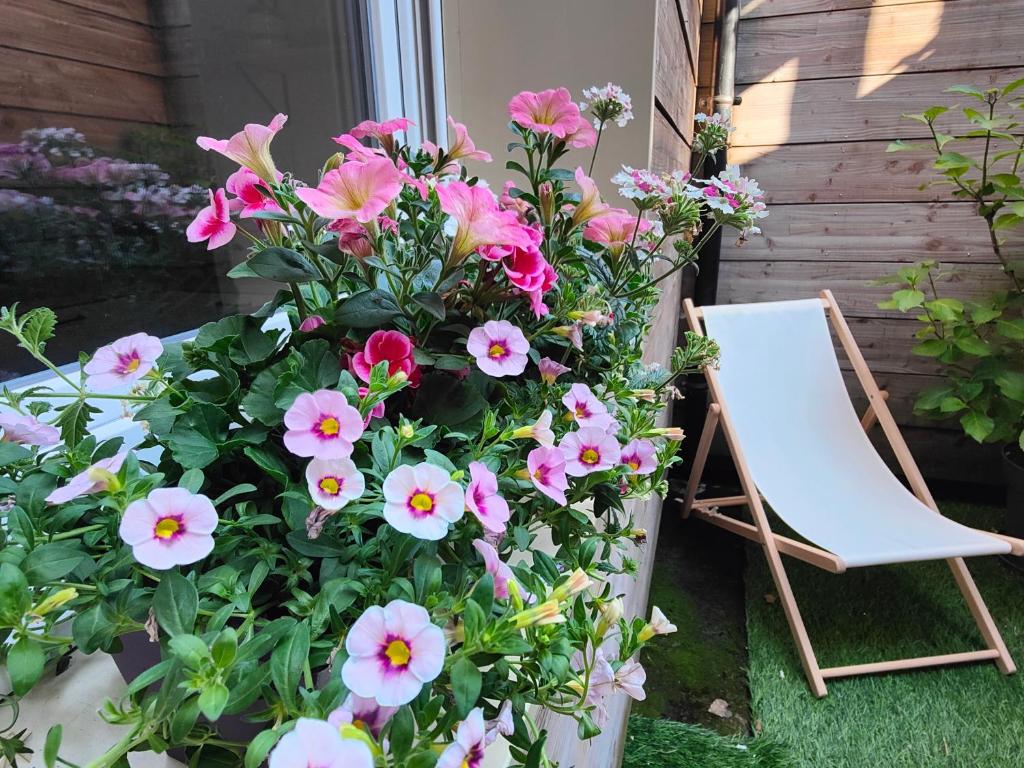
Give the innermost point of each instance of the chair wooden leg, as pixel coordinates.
(982, 617)
(700, 457)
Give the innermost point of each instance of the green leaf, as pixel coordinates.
(952, 405)
(953, 163)
(970, 90)
(191, 448)
(287, 661)
(431, 302)
(367, 309)
(73, 421)
(902, 146)
(192, 480)
(908, 299)
(400, 734)
(269, 462)
(283, 265)
(184, 719)
(225, 647)
(12, 452)
(258, 749)
(1011, 329)
(977, 425)
(159, 414)
(52, 746)
(252, 345)
(176, 604)
(973, 345)
(466, 684)
(37, 327)
(94, 628)
(1011, 384)
(25, 661)
(15, 598)
(1012, 86)
(213, 699)
(190, 649)
(53, 561)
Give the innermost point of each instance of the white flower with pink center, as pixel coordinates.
(589, 449)
(318, 744)
(171, 526)
(92, 480)
(333, 483)
(483, 499)
(551, 370)
(27, 430)
(123, 362)
(585, 409)
(546, 469)
(499, 348)
(323, 425)
(392, 652)
(639, 456)
(363, 713)
(422, 501)
(467, 751)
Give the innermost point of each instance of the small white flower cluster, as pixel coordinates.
(716, 120)
(640, 184)
(737, 197)
(608, 103)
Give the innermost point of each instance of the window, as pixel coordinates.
(99, 171)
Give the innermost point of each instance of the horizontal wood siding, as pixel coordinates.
(823, 85)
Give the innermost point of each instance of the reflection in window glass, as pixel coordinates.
(99, 171)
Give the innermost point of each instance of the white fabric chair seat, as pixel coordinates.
(806, 449)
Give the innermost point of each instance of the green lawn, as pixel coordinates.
(969, 717)
(657, 743)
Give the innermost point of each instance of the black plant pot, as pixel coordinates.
(1013, 472)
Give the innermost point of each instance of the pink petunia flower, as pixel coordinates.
(391, 346)
(525, 268)
(570, 332)
(250, 147)
(462, 147)
(354, 190)
(550, 370)
(171, 526)
(549, 278)
(478, 219)
(546, 468)
(614, 228)
(123, 362)
(383, 132)
(213, 223)
(333, 483)
(585, 409)
(493, 565)
(320, 744)
(483, 499)
(352, 238)
(516, 205)
(602, 676)
(322, 425)
(92, 480)
(392, 652)
(499, 348)
(639, 456)
(552, 111)
(422, 501)
(357, 150)
(590, 205)
(363, 713)
(27, 430)
(582, 136)
(311, 323)
(245, 186)
(630, 679)
(467, 751)
(589, 449)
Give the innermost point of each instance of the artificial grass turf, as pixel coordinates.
(968, 716)
(657, 743)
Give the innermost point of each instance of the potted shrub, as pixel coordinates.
(979, 344)
(329, 528)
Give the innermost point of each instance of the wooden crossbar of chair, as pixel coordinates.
(775, 545)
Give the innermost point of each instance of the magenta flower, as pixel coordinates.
(585, 409)
(169, 527)
(355, 190)
(546, 467)
(333, 483)
(352, 238)
(250, 147)
(483, 499)
(316, 743)
(383, 132)
(123, 362)
(27, 430)
(467, 751)
(422, 501)
(589, 449)
(311, 323)
(478, 219)
(213, 223)
(92, 480)
(525, 268)
(550, 370)
(549, 278)
(493, 565)
(392, 652)
(245, 186)
(499, 348)
(322, 425)
(363, 713)
(391, 346)
(552, 111)
(639, 456)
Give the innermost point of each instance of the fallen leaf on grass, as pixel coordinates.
(769, 598)
(720, 708)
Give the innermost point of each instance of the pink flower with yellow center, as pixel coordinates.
(483, 499)
(589, 449)
(171, 526)
(493, 564)
(27, 430)
(546, 469)
(478, 219)
(245, 186)
(422, 501)
(323, 425)
(213, 223)
(552, 111)
(363, 713)
(467, 751)
(250, 147)
(355, 190)
(639, 456)
(550, 370)
(383, 132)
(95, 479)
(615, 228)
(392, 652)
(585, 409)
(319, 744)
(123, 362)
(333, 483)
(499, 347)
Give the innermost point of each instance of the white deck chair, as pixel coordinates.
(797, 442)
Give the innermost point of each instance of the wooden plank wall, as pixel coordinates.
(823, 84)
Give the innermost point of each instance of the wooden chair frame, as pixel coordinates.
(775, 545)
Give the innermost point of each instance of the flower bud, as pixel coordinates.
(671, 433)
(334, 161)
(311, 323)
(55, 601)
(647, 395)
(548, 612)
(638, 535)
(577, 582)
(546, 197)
(104, 477)
(406, 431)
(658, 625)
(611, 612)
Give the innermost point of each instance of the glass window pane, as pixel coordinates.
(100, 106)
